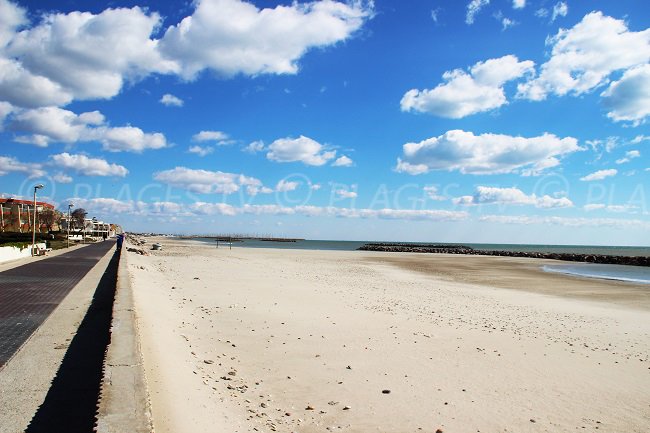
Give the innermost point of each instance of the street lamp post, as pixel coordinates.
(70, 205)
(39, 186)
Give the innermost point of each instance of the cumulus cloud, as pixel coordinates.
(485, 153)
(208, 182)
(254, 147)
(599, 175)
(233, 36)
(344, 193)
(584, 56)
(128, 139)
(285, 186)
(52, 124)
(560, 9)
(630, 155)
(518, 4)
(511, 196)
(342, 161)
(473, 8)
(85, 165)
(465, 93)
(218, 136)
(302, 149)
(62, 178)
(110, 206)
(628, 99)
(10, 164)
(201, 150)
(82, 55)
(171, 101)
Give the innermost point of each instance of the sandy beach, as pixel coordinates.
(261, 340)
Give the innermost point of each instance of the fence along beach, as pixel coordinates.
(276, 339)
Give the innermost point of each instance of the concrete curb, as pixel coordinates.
(124, 401)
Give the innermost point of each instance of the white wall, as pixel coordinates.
(13, 253)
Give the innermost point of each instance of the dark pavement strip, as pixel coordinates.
(29, 293)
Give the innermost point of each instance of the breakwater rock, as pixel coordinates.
(462, 249)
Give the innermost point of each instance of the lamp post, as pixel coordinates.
(70, 205)
(39, 186)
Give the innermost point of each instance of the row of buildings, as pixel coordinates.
(18, 216)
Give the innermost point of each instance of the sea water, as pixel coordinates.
(633, 274)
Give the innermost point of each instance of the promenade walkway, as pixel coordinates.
(29, 293)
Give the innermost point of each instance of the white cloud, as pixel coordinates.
(10, 164)
(81, 55)
(285, 186)
(254, 147)
(484, 154)
(583, 57)
(518, 4)
(473, 8)
(201, 151)
(628, 99)
(203, 208)
(87, 166)
(302, 149)
(217, 136)
(512, 196)
(62, 178)
(343, 193)
(565, 221)
(630, 155)
(434, 15)
(233, 36)
(506, 23)
(432, 193)
(640, 138)
(109, 206)
(342, 161)
(12, 17)
(315, 186)
(599, 175)
(560, 9)
(465, 93)
(208, 182)
(129, 139)
(53, 124)
(626, 208)
(5, 110)
(594, 206)
(171, 101)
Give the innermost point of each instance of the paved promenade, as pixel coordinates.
(29, 293)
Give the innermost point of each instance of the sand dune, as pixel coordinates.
(260, 340)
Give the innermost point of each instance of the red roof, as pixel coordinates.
(28, 202)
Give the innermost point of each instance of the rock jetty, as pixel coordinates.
(462, 249)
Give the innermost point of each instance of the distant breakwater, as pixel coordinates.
(462, 249)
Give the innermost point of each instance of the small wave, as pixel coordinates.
(632, 274)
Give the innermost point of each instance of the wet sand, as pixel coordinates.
(261, 340)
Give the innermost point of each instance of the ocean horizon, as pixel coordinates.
(341, 245)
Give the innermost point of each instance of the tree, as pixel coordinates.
(78, 217)
(47, 217)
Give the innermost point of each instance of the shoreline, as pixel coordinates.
(252, 339)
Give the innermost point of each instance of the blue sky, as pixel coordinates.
(467, 121)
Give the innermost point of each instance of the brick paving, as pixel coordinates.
(29, 293)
